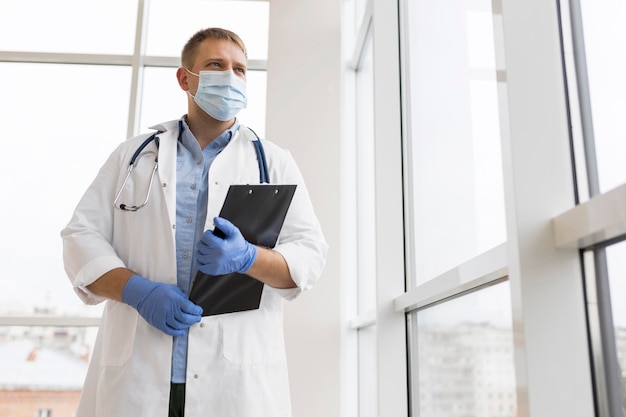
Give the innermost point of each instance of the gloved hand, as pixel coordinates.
(224, 250)
(164, 306)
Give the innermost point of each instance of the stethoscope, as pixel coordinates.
(258, 147)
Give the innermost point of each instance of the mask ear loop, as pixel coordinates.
(192, 73)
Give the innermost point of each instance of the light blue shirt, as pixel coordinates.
(192, 191)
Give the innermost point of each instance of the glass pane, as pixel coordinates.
(462, 356)
(43, 368)
(368, 377)
(164, 100)
(365, 178)
(360, 8)
(604, 34)
(73, 26)
(616, 262)
(171, 23)
(60, 122)
(457, 203)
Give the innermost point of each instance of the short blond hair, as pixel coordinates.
(188, 54)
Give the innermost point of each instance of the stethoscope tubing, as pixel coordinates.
(258, 147)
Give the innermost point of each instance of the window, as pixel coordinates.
(455, 213)
(45, 26)
(462, 356)
(46, 168)
(366, 235)
(491, 223)
(597, 95)
(456, 206)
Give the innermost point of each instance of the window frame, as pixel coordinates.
(596, 221)
(529, 259)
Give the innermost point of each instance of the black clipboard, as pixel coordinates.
(259, 212)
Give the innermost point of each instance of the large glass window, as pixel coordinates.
(71, 26)
(366, 241)
(461, 344)
(249, 19)
(616, 261)
(594, 32)
(603, 31)
(43, 368)
(457, 200)
(368, 384)
(60, 124)
(366, 237)
(462, 361)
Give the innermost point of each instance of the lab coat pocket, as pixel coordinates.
(253, 338)
(118, 327)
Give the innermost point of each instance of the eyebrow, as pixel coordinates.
(221, 60)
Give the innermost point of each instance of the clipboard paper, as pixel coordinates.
(259, 212)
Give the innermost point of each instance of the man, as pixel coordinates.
(155, 354)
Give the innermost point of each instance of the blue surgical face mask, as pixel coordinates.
(221, 94)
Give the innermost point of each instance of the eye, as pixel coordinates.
(240, 70)
(215, 64)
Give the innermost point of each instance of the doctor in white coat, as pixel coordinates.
(155, 355)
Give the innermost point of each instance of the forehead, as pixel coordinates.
(219, 48)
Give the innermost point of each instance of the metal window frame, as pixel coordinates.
(593, 225)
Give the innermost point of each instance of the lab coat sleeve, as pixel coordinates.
(87, 249)
(301, 241)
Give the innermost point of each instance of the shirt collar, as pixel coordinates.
(223, 138)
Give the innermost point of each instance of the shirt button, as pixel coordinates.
(193, 186)
(185, 255)
(189, 220)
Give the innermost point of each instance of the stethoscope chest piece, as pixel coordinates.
(131, 166)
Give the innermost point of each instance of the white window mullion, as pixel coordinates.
(134, 108)
(390, 270)
(484, 269)
(546, 282)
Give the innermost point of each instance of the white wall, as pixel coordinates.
(303, 115)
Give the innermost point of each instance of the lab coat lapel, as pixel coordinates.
(167, 168)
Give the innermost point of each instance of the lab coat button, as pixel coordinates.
(164, 184)
(196, 376)
(201, 324)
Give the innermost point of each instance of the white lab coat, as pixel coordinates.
(236, 362)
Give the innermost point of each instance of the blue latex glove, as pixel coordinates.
(164, 306)
(224, 250)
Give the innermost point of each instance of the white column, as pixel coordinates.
(303, 115)
(552, 358)
(390, 270)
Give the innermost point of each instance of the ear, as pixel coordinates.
(182, 75)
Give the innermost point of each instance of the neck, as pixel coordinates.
(205, 128)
